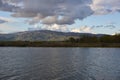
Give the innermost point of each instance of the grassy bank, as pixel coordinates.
(54, 44)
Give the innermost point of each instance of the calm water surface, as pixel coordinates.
(59, 63)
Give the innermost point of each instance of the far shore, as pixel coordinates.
(55, 44)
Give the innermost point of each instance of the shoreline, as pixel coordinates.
(56, 44)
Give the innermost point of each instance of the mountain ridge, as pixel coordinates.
(43, 35)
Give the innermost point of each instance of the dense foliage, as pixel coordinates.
(95, 39)
(84, 41)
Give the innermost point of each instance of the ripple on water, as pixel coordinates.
(59, 64)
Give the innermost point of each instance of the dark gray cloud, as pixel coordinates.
(1, 3)
(2, 21)
(49, 11)
(5, 6)
(58, 11)
(109, 26)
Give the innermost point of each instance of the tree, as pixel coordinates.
(71, 39)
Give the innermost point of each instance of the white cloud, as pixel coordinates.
(105, 6)
(62, 28)
(56, 27)
(82, 29)
(4, 19)
(53, 27)
(76, 30)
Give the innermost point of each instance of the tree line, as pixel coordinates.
(95, 39)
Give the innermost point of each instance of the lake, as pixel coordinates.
(59, 63)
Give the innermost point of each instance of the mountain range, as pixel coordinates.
(43, 35)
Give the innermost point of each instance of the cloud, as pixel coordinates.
(4, 20)
(62, 28)
(56, 27)
(108, 26)
(105, 6)
(53, 27)
(60, 12)
(0, 3)
(44, 10)
(6, 5)
(82, 29)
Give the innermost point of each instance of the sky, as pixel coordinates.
(82, 16)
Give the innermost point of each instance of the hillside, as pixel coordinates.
(42, 35)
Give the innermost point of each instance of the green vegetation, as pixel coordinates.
(95, 39)
(85, 41)
(55, 44)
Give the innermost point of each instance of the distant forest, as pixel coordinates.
(95, 39)
(85, 41)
